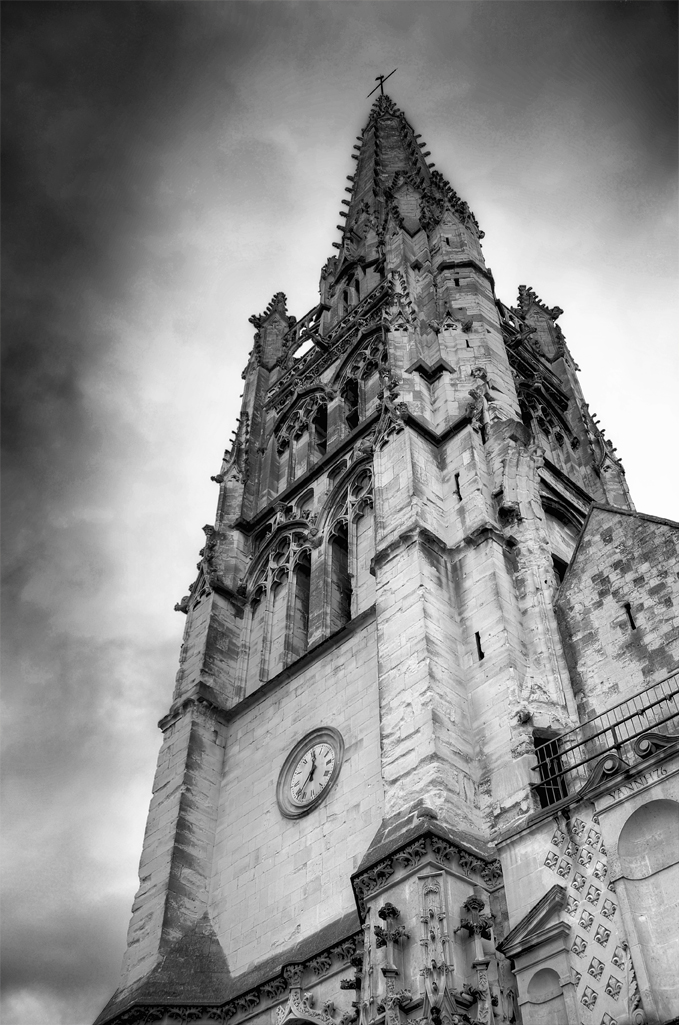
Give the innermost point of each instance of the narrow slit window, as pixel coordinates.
(457, 281)
(457, 486)
(630, 617)
(479, 650)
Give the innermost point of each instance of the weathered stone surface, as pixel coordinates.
(409, 480)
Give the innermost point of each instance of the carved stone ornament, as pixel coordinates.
(527, 297)
(437, 964)
(299, 1004)
(443, 851)
(307, 370)
(346, 950)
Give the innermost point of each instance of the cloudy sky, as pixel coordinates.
(167, 168)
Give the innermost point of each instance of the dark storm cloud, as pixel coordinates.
(162, 160)
(90, 94)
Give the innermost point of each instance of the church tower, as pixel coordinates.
(402, 712)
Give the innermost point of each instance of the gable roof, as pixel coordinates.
(541, 922)
(613, 511)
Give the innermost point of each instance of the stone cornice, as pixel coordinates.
(457, 264)
(427, 838)
(417, 424)
(305, 660)
(417, 533)
(201, 702)
(250, 999)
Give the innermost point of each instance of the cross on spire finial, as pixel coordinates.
(381, 79)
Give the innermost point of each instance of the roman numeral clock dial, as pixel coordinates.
(309, 772)
(313, 771)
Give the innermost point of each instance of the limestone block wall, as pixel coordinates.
(623, 559)
(275, 879)
(175, 866)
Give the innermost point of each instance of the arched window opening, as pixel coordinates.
(320, 426)
(357, 288)
(364, 527)
(345, 300)
(546, 1002)
(351, 413)
(279, 604)
(544, 985)
(299, 636)
(255, 643)
(340, 579)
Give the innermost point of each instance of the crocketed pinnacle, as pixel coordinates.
(389, 152)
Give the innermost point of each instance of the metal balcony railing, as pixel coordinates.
(575, 762)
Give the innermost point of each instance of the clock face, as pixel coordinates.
(309, 772)
(312, 774)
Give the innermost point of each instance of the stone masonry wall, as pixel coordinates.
(623, 559)
(276, 880)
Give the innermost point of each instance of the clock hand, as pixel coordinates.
(310, 773)
(313, 767)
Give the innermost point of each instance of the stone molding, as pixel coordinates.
(289, 980)
(200, 705)
(445, 853)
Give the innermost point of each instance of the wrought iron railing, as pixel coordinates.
(575, 762)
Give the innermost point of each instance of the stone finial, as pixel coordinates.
(528, 297)
(278, 304)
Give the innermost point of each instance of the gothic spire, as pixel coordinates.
(389, 154)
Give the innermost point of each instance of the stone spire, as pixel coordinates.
(392, 159)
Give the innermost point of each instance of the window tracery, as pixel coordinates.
(307, 416)
(279, 609)
(277, 626)
(352, 544)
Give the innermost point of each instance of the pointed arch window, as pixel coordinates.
(255, 668)
(360, 383)
(299, 632)
(300, 441)
(351, 551)
(362, 522)
(340, 578)
(279, 608)
(278, 629)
